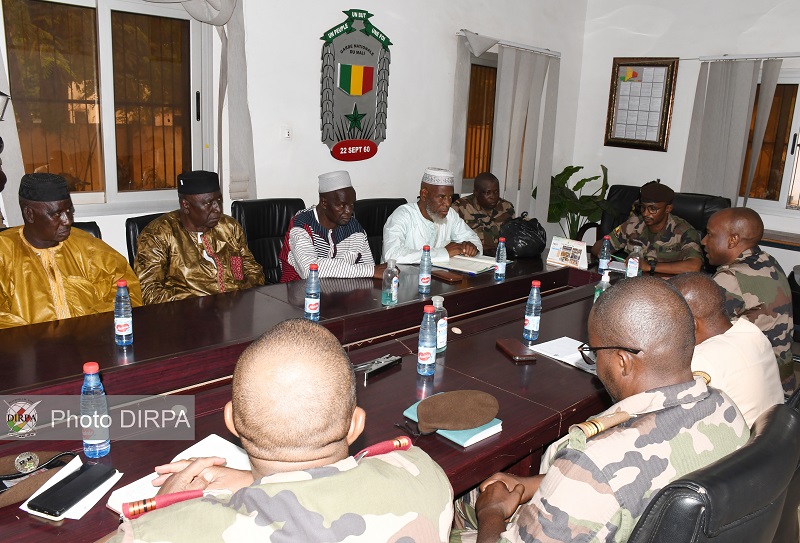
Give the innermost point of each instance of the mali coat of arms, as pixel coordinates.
(354, 87)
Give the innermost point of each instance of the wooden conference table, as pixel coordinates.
(191, 346)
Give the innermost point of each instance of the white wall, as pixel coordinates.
(283, 56)
(679, 28)
(283, 38)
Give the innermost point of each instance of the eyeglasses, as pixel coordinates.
(650, 209)
(589, 353)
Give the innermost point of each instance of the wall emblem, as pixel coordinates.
(354, 87)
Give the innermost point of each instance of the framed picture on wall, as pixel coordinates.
(640, 102)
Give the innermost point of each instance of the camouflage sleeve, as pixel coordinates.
(619, 237)
(734, 301)
(554, 513)
(690, 245)
(460, 206)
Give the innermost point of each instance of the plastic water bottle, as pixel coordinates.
(425, 270)
(426, 350)
(634, 264)
(500, 258)
(391, 283)
(440, 316)
(311, 311)
(123, 315)
(605, 255)
(533, 312)
(94, 406)
(601, 287)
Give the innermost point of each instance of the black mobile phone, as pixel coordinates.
(71, 489)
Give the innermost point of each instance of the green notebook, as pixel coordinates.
(465, 438)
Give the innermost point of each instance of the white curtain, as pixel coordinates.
(12, 156)
(721, 122)
(524, 127)
(228, 17)
(524, 120)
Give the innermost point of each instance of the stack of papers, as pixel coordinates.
(565, 349)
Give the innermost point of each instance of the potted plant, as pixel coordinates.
(570, 207)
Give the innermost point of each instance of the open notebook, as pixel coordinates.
(472, 265)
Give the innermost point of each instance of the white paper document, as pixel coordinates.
(213, 445)
(565, 349)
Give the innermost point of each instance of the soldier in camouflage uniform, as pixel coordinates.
(484, 211)
(598, 479)
(755, 286)
(294, 410)
(670, 245)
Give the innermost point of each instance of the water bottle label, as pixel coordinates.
(531, 323)
(604, 263)
(633, 267)
(424, 279)
(441, 333)
(395, 287)
(123, 326)
(426, 355)
(501, 268)
(312, 305)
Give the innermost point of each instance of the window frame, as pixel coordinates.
(111, 201)
(488, 59)
(778, 208)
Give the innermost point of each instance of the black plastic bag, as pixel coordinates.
(525, 238)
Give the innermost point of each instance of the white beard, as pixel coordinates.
(435, 217)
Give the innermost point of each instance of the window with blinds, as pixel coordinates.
(480, 119)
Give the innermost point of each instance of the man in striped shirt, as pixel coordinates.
(327, 234)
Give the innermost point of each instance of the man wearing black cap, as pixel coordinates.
(50, 271)
(670, 245)
(195, 250)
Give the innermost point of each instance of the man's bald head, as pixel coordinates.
(293, 393)
(702, 293)
(646, 313)
(730, 232)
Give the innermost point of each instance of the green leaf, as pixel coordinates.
(580, 184)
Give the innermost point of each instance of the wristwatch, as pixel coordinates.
(653, 263)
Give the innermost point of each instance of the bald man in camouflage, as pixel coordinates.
(294, 409)
(755, 285)
(597, 480)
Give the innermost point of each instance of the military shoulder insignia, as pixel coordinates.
(594, 426)
(706, 377)
(354, 87)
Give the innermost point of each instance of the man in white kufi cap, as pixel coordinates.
(327, 234)
(430, 221)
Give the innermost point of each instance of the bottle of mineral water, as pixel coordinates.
(533, 312)
(311, 311)
(123, 315)
(94, 408)
(500, 258)
(425, 270)
(605, 255)
(426, 349)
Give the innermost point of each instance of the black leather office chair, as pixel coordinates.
(372, 214)
(737, 499)
(89, 227)
(788, 528)
(694, 208)
(134, 227)
(795, 288)
(265, 223)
